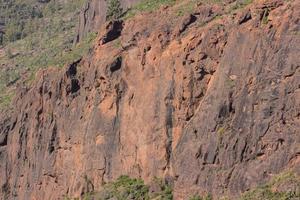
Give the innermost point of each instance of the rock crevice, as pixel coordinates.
(214, 107)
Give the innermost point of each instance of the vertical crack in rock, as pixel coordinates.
(4, 130)
(169, 122)
(71, 73)
(51, 146)
(206, 142)
(113, 144)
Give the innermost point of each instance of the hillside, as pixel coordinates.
(177, 99)
(39, 34)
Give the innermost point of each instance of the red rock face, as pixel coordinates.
(93, 16)
(210, 104)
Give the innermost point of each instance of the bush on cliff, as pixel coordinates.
(285, 186)
(126, 188)
(197, 197)
(114, 10)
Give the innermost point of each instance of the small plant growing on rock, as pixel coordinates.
(265, 17)
(197, 197)
(164, 190)
(114, 10)
(284, 186)
(125, 188)
(9, 53)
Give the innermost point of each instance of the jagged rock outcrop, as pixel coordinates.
(93, 15)
(210, 103)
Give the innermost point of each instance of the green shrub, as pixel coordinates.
(8, 53)
(16, 14)
(165, 192)
(240, 4)
(197, 197)
(272, 191)
(114, 10)
(147, 5)
(5, 99)
(186, 8)
(127, 188)
(40, 35)
(265, 18)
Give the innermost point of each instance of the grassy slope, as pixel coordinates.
(283, 186)
(51, 45)
(48, 44)
(48, 40)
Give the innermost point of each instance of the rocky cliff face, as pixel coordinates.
(210, 103)
(93, 15)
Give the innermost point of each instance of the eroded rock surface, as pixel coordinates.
(211, 104)
(93, 16)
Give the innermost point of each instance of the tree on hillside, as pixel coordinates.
(114, 9)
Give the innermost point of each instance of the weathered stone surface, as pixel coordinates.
(93, 15)
(212, 108)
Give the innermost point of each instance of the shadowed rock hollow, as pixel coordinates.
(210, 103)
(93, 16)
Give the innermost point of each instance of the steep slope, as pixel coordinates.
(38, 34)
(207, 98)
(93, 16)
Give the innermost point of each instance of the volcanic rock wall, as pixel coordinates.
(93, 16)
(210, 103)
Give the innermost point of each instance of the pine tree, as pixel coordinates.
(114, 10)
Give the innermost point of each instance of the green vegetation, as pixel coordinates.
(16, 16)
(130, 188)
(221, 131)
(147, 5)
(230, 83)
(6, 98)
(187, 7)
(126, 188)
(117, 43)
(114, 10)
(240, 4)
(25, 17)
(285, 186)
(37, 35)
(165, 190)
(197, 197)
(265, 18)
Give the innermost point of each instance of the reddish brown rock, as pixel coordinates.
(93, 16)
(214, 108)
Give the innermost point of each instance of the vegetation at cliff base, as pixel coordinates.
(285, 186)
(127, 188)
(198, 197)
